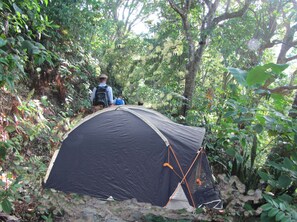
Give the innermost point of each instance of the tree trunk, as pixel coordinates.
(192, 69)
(209, 22)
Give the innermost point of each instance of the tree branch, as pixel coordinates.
(208, 3)
(187, 5)
(176, 8)
(227, 6)
(231, 15)
(282, 89)
(294, 43)
(268, 45)
(291, 58)
(130, 12)
(138, 17)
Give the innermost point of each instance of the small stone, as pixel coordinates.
(134, 201)
(251, 193)
(136, 216)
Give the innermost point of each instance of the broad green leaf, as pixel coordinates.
(2, 152)
(18, 63)
(2, 42)
(279, 216)
(36, 51)
(234, 138)
(272, 212)
(269, 119)
(265, 218)
(273, 133)
(264, 176)
(276, 68)
(284, 181)
(10, 128)
(268, 188)
(239, 75)
(282, 206)
(239, 158)
(268, 198)
(257, 75)
(273, 183)
(275, 203)
(258, 128)
(231, 152)
(295, 141)
(279, 101)
(286, 219)
(16, 8)
(6, 206)
(260, 74)
(260, 118)
(278, 97)
(286, 198)
(266, 206)
(247, 207)
(230, 113)
(287, 163)
(4, 61)
(199, 210)
(28, 45)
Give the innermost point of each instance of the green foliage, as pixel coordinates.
(278, 209)
(239, 75)
(259, 74)
(281, 175)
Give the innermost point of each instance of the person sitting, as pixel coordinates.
(102, 95)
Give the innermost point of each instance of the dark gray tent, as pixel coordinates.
(132, 152)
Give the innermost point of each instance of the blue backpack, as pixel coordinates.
(119, 102)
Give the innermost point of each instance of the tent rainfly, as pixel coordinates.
(133, 152)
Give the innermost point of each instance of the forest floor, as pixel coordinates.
(76, 208)
(90, 209)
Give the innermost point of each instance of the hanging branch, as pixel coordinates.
(231, 15)
(176, 8)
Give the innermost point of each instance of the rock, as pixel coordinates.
(136, 216)
(134, 201)
(8, 218)
(110, 218)
(91, 209)
(250, 192)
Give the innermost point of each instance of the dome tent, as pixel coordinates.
(133, 152)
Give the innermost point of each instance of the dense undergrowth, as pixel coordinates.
(53, 51)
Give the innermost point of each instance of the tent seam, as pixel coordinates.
(151, 125)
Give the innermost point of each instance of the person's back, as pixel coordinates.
(102, 95)
(119, 101)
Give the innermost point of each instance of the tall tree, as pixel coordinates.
(209, 17)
